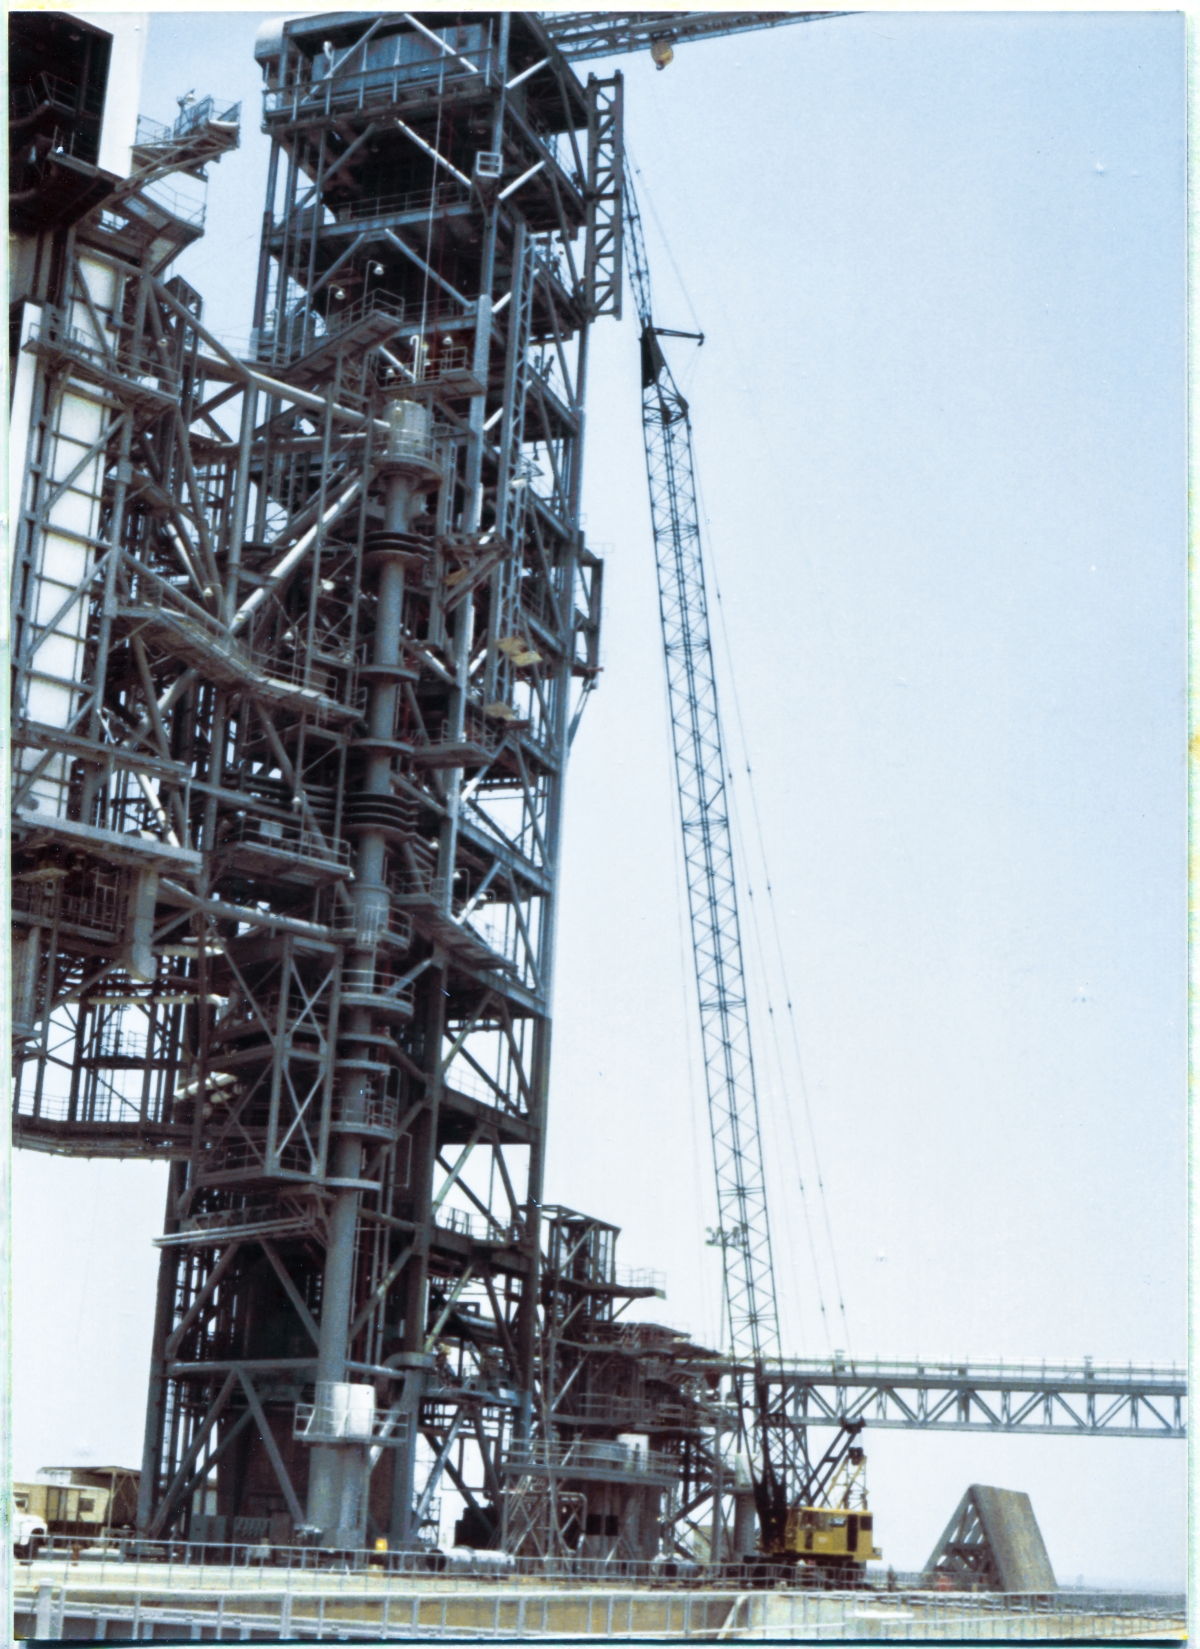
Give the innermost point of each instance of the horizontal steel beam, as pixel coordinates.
(582, 34)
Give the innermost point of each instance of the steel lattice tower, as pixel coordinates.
(300, 636)
(292, 728)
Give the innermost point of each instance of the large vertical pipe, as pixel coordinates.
(337, 1475)
(164, 1316)
(540, 1075)
(241, 502)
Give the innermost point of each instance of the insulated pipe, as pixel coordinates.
(338, 1475)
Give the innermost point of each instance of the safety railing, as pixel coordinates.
(54, 92)
(305, 329)
(372, 88)
(583, 1458)
(267, 1216)
(100, 906)
(205, 112)
(401, 205)
(393, 929)
(632, 1276)
(378, 302)
(343, 1413)
(108, 358)
(602, 1409)
(553, 1613)
(371, 985)
(189, 209)
(373, 1111)
(478, 1227)
(295, 670)
(130, 1565)
(285, 839)
(956, 1369)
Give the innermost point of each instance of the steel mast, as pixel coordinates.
(743, 1232)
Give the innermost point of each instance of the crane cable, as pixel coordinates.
(759, 951)
(764, 977)
(686, 975)
(795, 1039)
(774, 914)
(644, 190)
(743, 1232)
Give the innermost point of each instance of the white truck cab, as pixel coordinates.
(27, 1528)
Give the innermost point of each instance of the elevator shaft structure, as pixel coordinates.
(291, 721)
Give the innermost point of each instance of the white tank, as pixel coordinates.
(410, 432)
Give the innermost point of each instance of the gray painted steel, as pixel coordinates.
(993, 1540)
(1066, 1400)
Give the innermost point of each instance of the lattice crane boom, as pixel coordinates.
(743, 1232)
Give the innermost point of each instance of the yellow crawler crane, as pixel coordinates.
(831, 1529)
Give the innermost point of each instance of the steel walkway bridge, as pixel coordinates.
(1045, 1399)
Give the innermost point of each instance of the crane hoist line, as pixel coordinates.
(806, 1513)
(743, 1233)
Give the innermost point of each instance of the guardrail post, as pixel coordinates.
(41, 1611)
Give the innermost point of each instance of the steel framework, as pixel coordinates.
(302, 632)
(583, 34)
(296, 632)
(783, 1470)
(744, 1233)
(1064, 1400)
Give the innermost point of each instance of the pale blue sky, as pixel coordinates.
(939, 420)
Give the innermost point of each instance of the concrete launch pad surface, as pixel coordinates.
(150, 1602)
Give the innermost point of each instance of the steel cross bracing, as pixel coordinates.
(299, 636)
(1068, 1400)
(297, 631)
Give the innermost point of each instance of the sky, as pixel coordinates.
(939, 430)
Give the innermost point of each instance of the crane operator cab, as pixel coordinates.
(834, 1536)
(814, 1534)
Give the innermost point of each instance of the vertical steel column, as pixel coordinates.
(337, 1475)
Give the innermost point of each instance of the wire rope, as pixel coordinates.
(690, 1019)
(418, 363)
(758, 952)
(761, 949)
(774, 914)
(644, 193)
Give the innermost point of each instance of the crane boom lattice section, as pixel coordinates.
(743, 1232)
